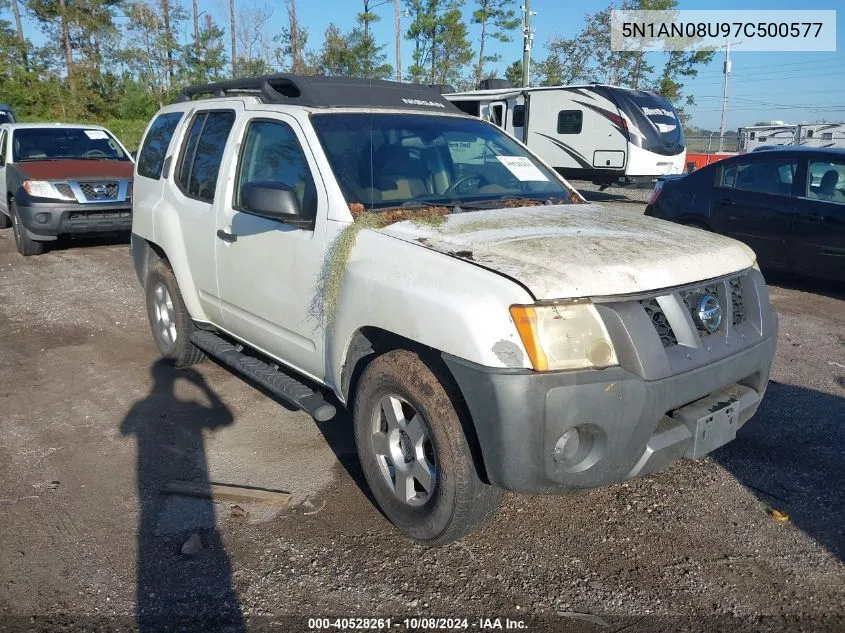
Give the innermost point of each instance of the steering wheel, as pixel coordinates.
(458, 185)
(95, 152)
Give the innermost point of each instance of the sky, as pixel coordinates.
(764, 86)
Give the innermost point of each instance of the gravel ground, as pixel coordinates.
(91, 425)
(636, 194)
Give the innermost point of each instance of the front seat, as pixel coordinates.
(399, 174)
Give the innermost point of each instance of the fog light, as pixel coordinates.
(567, 446)
(579, 448)
(42, 218)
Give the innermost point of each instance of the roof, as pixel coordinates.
(47, 124)
(498, 92)
(839, 151)
(784, 125)
(326, 92)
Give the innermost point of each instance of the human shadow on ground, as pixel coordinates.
(791, 454)
(176, 591)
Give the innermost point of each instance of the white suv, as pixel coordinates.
(365, 243)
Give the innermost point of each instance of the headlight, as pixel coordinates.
(564, 336)
(44, 189)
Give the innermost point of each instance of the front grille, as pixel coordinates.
(660, 322)
(99, 190)
(64, 189)
(99, 215)
(690, 298)
(662, 325)
(737, 301)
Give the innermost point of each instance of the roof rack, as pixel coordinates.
(324, 92)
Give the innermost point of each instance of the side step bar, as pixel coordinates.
(278, 383)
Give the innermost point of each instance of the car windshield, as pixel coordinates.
(54, 143)
(391, 160)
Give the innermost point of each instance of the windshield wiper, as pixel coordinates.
(492, 203)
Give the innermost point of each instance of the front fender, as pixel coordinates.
(442, 302)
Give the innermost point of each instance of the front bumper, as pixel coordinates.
(623, 420)
(47, 220)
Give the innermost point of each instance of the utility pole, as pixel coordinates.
(234, 43)
(726, 70)
(527, 38)
(18, 24)
(398, 28)
(196, 26)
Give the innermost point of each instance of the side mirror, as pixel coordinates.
(274, 201)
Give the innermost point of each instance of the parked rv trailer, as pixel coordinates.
(596, 132)
(822, 135)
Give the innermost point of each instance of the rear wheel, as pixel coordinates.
(25, 245)
(414, 452)
(170, 322)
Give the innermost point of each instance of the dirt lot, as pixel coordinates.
(91, 424)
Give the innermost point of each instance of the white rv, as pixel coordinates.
(806, 134)
(595, 132)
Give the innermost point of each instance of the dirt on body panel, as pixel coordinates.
(566, 251)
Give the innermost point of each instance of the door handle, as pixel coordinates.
(227, 237)
(728, 202)
(815, 217)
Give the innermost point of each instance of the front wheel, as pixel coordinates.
(25, 245)
(414, 452)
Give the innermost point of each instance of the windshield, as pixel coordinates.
(6, 117)
(390, 160)
(65, 143)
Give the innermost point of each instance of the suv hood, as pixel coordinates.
(581, 250)
(69, 168)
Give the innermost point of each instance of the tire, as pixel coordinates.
(445, 500)
(25, 245)
(170, 322)
(5, 220)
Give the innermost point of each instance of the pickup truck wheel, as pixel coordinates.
(169, 319)
(24, 244)
(414, 453)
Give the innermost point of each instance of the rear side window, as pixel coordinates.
(203, 153)
(3, 147)
(151, 157)
(773, 176)
(570, 121)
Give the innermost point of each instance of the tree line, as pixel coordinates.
(106, 60)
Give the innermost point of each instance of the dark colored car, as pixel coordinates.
(787, 205)
(58, 179)
(7, 115)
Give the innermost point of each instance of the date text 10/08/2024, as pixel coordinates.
(412, 624)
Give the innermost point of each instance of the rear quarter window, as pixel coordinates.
(154, 150)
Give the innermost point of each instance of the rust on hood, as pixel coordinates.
(70, 168)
